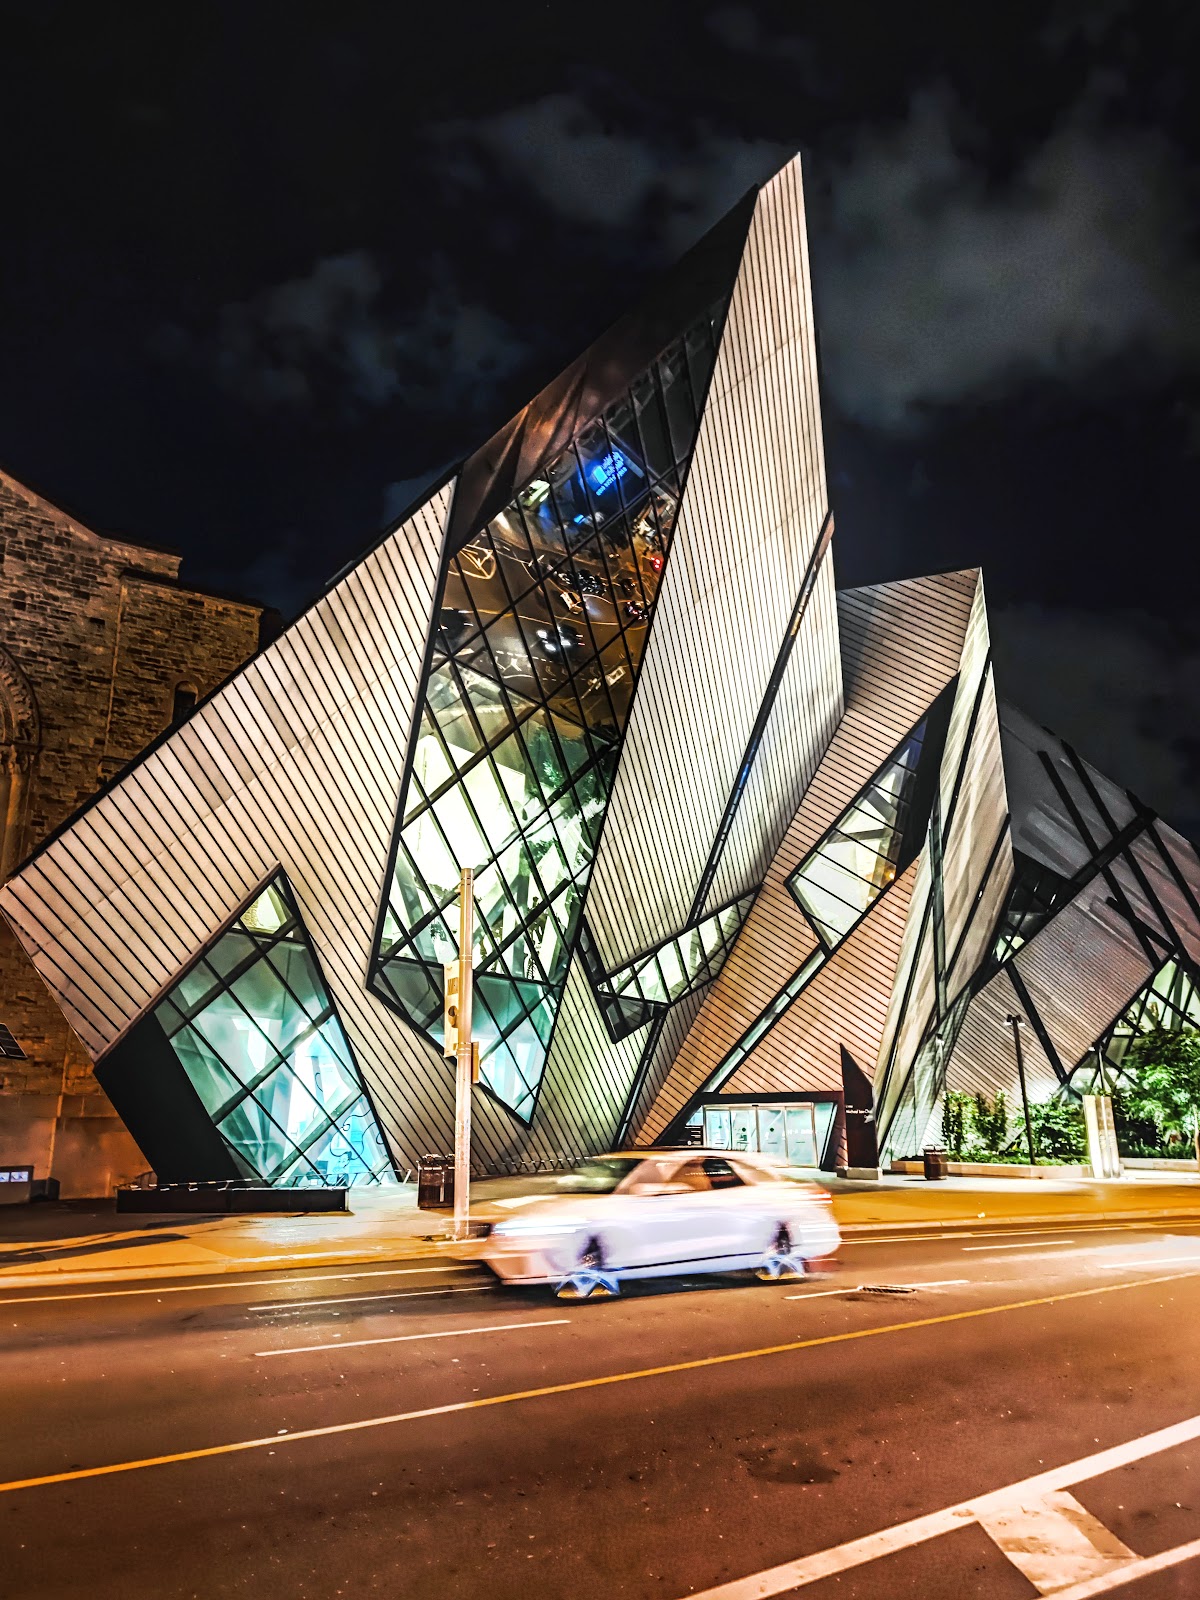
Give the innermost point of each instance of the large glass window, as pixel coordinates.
(544, 621)
(856, 860)
(255, 1030)
(644, 987)
(1170, 1000)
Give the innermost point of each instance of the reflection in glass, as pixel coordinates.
(254, 1028)
(543, 624)
(856, 860)
(1170, 1000)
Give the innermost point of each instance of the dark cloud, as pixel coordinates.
(1121, 687)
(663, 187)
(939, 284)
(330, 344)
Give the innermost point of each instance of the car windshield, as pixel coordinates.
(601, 1175)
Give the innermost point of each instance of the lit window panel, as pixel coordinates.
(543, 624)
(254, 1028)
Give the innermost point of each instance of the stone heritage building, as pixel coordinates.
(101, 651)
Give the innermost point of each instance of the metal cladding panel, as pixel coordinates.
(585, 1083)
(972, 807)
(752, 513)
(675, 1029)
(984, 1060)
(844, 1005)
(901, 645)
(1082, 970)
(296, 762)
(787, 758)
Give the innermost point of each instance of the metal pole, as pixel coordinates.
(462, 1076)
(1015, 1022)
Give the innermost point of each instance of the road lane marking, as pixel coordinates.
(1157, 1261)
(1053, 1540)
(1141, 1568)
(819, 1294)
(357, 1299)
(870, 1547)
(407, 1338)
(575, 1385)
(1031, 1244)
(224, 1283)
(1157, 1226)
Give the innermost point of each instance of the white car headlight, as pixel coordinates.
(531, 1229)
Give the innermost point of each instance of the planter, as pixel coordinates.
(994, 1169)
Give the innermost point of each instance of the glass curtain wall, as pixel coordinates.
(648, 985)
(543, 624)
(255, 1030)
(856, 860)
(1170, 1000)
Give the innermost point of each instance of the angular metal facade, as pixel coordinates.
(752, 856)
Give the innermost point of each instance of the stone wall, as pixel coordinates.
(96, 638)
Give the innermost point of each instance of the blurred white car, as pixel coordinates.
(658, 1213)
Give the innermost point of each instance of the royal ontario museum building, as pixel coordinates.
(757, 861)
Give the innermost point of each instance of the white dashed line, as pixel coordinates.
(409, 1338)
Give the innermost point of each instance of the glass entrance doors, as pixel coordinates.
(786, 1132)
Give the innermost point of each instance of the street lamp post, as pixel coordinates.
(464, 1055)
(1014, 1022)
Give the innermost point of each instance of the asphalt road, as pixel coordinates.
(415, 1431)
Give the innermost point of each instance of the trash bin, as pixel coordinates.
(435, 1182)
(936, 1163)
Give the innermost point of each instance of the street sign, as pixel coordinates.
(450, 973)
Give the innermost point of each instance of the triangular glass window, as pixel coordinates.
(254, 1028)
(542, 626)
(644, 987)
(1169, 1000)
(854, 863)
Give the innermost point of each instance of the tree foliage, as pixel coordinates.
(1164, 1064)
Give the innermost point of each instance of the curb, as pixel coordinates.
(988, 1223)
(432, 1249)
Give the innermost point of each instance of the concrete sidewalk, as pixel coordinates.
(87, 1242)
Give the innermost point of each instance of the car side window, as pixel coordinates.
(694, 1174)
(720, 1174)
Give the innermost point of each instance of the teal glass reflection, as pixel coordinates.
(854, 863)
(254, 1028)
(544, 619)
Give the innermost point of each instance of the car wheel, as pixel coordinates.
(779, 1265)
(591, 1279)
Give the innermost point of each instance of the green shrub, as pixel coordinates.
(1059, 1131)
(989, 1120)
(956, 1123)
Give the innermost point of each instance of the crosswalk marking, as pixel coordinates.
(1043, 1486)
(1053, 1540)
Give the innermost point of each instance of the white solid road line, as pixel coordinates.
(1158, 1261)
(1142, 1568)
(1032, 1244)
(224, 1283)
(356, 1299)
(409, 1338)
(858, 1552)
(1156, 1226)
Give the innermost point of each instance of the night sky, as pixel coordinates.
(266, 269)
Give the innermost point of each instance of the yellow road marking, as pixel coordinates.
(697, 1364)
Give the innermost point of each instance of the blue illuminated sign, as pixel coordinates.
(605, 473)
